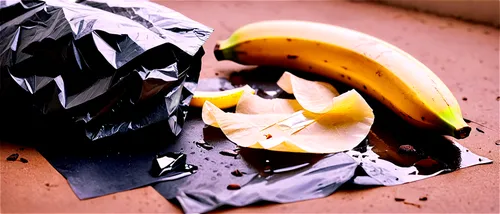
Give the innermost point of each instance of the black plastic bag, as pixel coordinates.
(96, 68)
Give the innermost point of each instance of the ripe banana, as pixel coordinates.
(364, 62)
(221, 99)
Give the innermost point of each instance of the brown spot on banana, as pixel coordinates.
(345, 68)
(288, 39)
(379, 73)
(326, 61)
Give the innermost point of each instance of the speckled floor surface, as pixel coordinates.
(464, 55)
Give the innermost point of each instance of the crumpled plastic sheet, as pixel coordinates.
(277, 177)
(103, 67)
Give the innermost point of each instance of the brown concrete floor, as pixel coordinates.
(464, 55)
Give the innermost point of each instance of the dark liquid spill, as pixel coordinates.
(433, 152)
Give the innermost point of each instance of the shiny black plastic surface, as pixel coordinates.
(101, 67)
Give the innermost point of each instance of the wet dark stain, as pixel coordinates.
(288, 39)
(345, 68)
(292, 56)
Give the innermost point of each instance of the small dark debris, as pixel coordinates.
(356, 156)
(364, 156)
(23, 160)
(207, 158)
(466, 150)
(467, 120)
(464, 98)
(204, 145)
(364, 86)
(423, 198)
(406, 149)
(345, 68)
(268, 136)
(413, 173)
(216, 74)
(13, 157)
(374, 161)
(497, 142)
(479, 130)
(292, 56)
(498, 98)
(192, 153)
(47, 184)
(480, 159)
(413, 204)
(236, 173)
(397, 179)
(228, 153)
(399, 199)
(233, 187)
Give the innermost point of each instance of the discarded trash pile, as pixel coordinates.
(115, 86)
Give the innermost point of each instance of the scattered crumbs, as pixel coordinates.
(233, 187)
(413, 204)
(13, 157)
(23, 160)
(423, 198)
(464, 98)
(479, 130)
(399, 199)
